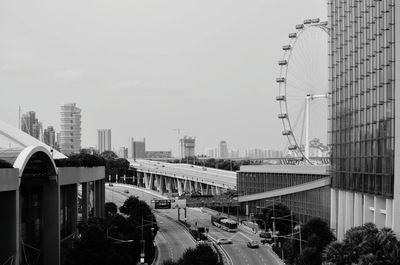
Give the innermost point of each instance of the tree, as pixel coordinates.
(284, 225)
(365, 245)
(95, 248)
(109, 155)
(111, 209)
(201, 255)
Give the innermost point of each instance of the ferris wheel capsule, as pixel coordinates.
(280, 79)
(282, 62)
(280, 98)
(292, 35)
(300, 26)
(292, 147)
(286, 47)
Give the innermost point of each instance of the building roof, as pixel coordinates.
(289, 169)
(13, 139)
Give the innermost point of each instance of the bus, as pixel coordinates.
(224, 223)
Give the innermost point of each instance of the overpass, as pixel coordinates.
(182, 178)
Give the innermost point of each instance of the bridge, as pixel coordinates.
(182, 178)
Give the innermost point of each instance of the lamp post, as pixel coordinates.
(142, 255)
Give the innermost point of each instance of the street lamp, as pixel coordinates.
(152, 232)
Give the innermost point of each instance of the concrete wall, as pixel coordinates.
(74, 175)
(350, 209)
(9, 179)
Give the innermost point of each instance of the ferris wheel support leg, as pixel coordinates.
(307, 140)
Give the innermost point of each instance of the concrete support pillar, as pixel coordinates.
(186, 185)
(151, 181)
(358, 209)
(85, 201)
(51, 224)
(157, 182)
(341, 215)
(218, 191)
(201, 188)
(162, 184)
(369, 209)
(380, 211)
(190, 186)
(213, 192)
(146, 180)
(389, 213)
(207, 189)
(168, 184)
(349, 220)
(180, 190)
(333, 221)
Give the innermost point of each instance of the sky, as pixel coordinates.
(144, 68)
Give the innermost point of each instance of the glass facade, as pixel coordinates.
(305, 205)
(361, 76)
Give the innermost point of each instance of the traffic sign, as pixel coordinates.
(162, 204)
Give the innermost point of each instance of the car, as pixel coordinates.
(110, 185)
(221, 241)
(126, 191)
(252, 244)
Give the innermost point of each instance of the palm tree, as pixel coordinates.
(335, 254)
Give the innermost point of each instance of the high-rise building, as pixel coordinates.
(223, 149)
(188, 145)
(136, 149)
(70, 137)
(363, 68)
(104, 140)
(31, 125)
(123, 152)
(49, 136)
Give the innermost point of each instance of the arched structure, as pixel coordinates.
(39, 202)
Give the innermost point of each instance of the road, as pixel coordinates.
(173, 240)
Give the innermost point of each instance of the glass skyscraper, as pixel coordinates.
(362, 113)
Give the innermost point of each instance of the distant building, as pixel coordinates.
(123, 152)
(223, 149)
(234, 153)
(31, 125)
(158, 154)
(104, 140)
(262, 153)
(137, 149)
(49, 136)
(188, 145)
(211, 152)
(70, 137)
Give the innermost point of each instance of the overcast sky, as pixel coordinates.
(143, 68)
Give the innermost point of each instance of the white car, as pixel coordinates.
(224, 241)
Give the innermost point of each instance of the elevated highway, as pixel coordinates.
(180, 178)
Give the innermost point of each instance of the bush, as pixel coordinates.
(81, 160)
(5, 164)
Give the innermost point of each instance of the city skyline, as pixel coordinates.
(236, 55)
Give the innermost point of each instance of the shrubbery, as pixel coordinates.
(81, 160)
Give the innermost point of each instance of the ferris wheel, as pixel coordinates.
(303, 87)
